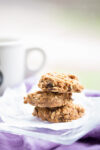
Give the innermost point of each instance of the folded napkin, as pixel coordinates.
(91, 141)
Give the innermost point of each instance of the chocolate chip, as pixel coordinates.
(49, 85)
(69, 88)
(36, 109)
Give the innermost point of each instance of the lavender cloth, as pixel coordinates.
(91, 141)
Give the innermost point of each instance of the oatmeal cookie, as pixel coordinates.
(65, 113)
(45, 99)
(61, 83)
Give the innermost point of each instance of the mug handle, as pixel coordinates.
(29, 72)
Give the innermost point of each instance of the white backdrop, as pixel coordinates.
(69, 36)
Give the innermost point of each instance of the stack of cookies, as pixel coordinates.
(54, 101)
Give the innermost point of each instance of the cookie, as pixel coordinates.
(61, 83)
(45, 99)
(65, 113)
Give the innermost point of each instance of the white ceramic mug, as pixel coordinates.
(14, 60)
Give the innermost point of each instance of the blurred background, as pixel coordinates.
(67, 30)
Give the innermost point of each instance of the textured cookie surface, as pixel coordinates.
(60, 83)
(45, 99)
(65, 113)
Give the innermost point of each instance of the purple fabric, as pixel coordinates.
(91, 141)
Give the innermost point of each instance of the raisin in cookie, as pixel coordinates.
(45, 99)
(61, 83)
(65, 113)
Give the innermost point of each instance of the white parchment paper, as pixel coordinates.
(14, 112)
